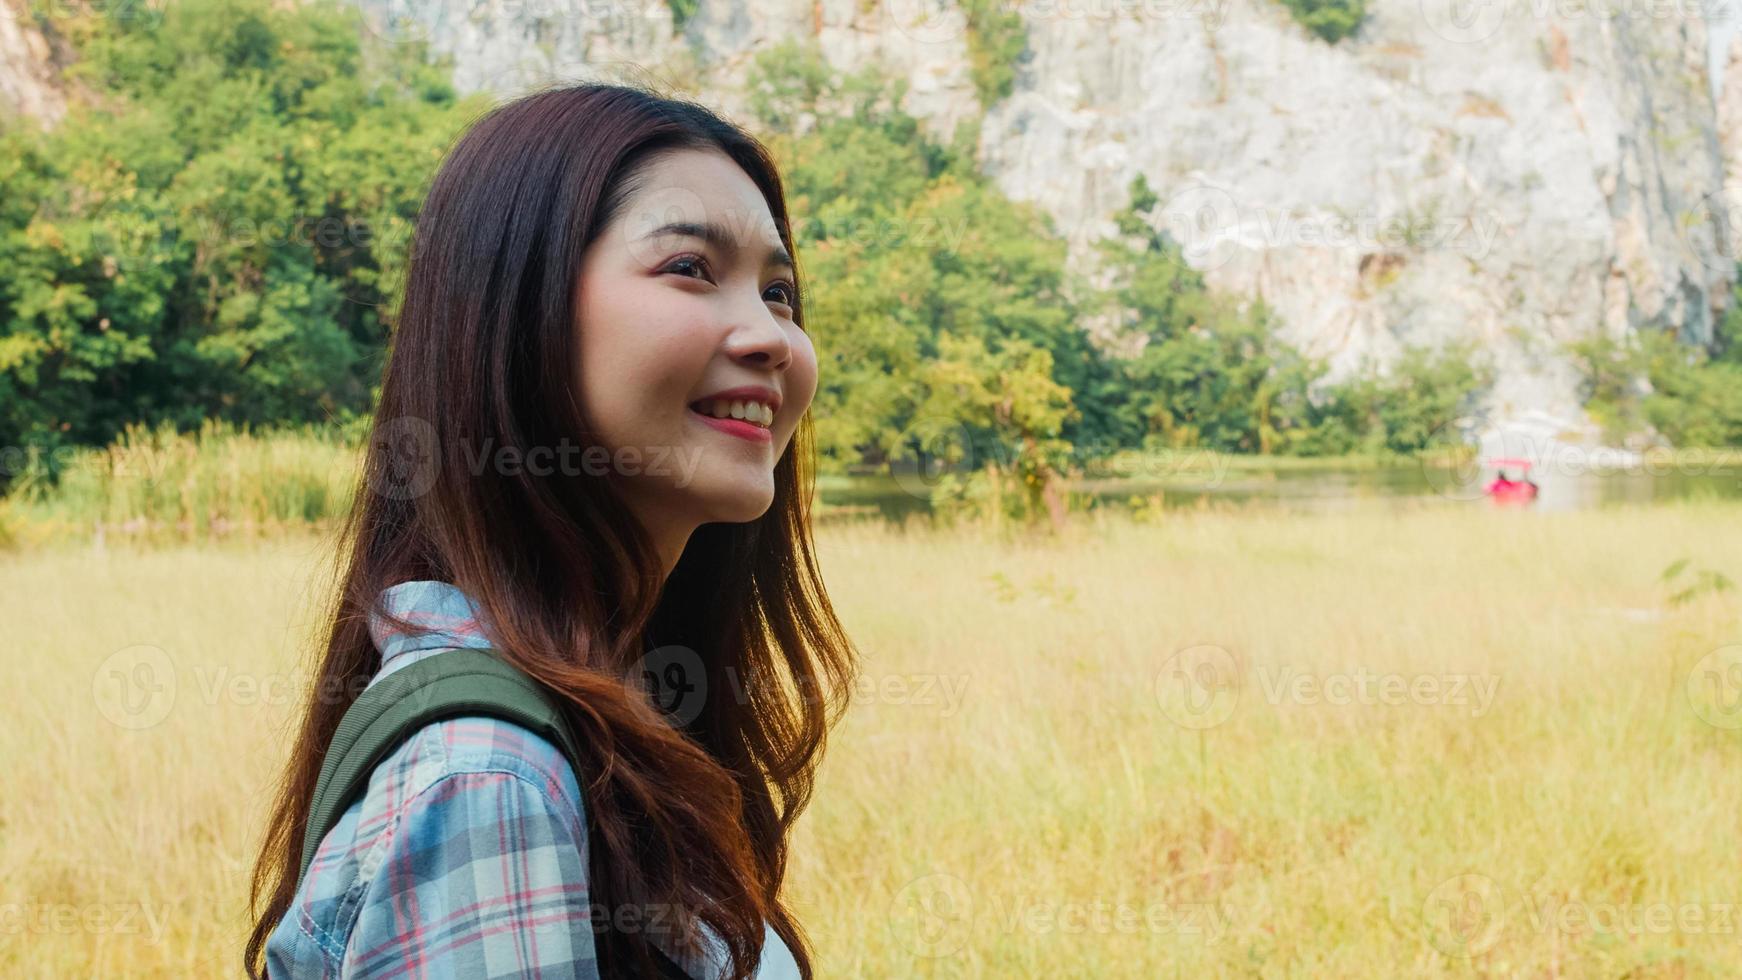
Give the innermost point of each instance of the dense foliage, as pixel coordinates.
(216, 231)
(1686, 394)
(1331, 20)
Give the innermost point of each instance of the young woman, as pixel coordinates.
(592, 441)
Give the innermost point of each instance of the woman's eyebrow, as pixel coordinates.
(719, 237)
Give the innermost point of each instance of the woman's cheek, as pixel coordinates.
(803, 375)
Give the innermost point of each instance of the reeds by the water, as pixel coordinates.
(218, 481)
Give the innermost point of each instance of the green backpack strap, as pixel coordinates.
(461, 681)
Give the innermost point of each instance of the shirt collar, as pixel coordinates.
(453, 618)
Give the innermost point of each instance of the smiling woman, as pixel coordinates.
(602, 269)
(688, 331)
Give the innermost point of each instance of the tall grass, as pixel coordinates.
(163, 486)
(221, 481)
(1022, 786)
(217, 481)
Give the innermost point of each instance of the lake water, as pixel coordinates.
(1330, 487)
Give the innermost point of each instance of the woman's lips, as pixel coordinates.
(736, 427)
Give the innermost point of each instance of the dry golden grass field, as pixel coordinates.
(1384, 742)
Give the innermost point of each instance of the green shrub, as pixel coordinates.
(1331, 20)
(217, 480)
(1653, 379)
(682, 11)
(997, 40)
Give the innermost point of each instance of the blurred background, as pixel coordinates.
(1280, 458)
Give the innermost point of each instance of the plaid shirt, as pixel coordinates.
(466, 857)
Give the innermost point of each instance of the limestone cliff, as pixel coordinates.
(1518, 174)
(29, 86)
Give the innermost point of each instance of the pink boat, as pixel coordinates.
(1504, 489)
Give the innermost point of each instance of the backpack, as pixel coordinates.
(461, 681)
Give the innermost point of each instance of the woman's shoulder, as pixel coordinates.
(459, 794)
(472, 745)
(468, 763)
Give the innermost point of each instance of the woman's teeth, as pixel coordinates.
(755, 413)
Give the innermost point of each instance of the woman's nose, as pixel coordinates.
(758, 336)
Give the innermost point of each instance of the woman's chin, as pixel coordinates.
(734, 498)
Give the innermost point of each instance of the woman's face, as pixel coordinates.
(686, 294)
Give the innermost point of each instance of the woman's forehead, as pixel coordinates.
(701, 186)
(698, 194)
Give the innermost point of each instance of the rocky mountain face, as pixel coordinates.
(1518, 173)
(28, 74)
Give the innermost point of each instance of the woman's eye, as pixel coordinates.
(783, 293)
(688, 262)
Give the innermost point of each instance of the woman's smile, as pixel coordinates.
(736, 427)
(746, 412)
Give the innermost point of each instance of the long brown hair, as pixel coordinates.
(691, 817)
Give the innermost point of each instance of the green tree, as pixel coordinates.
(1211, 371)
(1653, 379)
(1407, 409)
(1000, 412)
(997, 40)
(908, 252)
(1331, 20)
(219, 229)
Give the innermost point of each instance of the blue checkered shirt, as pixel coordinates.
(467, 856)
